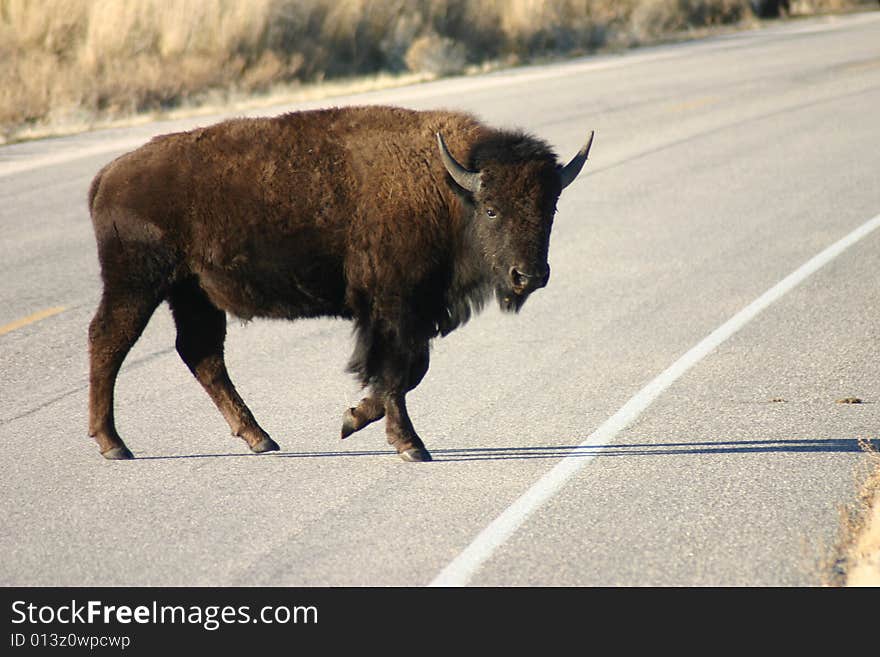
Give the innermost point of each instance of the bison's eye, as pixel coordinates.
(491, 213)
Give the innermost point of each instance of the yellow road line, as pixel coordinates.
(862, 65)
(30, 319)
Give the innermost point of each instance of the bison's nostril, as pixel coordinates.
(518, 279)
(532, 281)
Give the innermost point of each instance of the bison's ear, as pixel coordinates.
(569, 172)
(465, 178)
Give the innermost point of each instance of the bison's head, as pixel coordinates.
(512, 187)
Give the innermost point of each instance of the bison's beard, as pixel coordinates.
(508, 300)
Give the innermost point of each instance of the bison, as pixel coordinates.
(404, 222)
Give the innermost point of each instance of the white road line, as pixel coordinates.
(461, 569)
(62, 157)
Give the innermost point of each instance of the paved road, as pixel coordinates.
(720, 167)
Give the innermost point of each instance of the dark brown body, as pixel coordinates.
(346, 212)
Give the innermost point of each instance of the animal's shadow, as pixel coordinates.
(821, 445)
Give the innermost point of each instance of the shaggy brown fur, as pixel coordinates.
(341, 212)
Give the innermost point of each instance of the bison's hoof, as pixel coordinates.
(349, 423)
(265, 444)
(419, 454)
(118, 453)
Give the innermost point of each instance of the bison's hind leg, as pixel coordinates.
(201, 332)
(118, 323)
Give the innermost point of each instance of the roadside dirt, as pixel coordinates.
(861, 544)
(865, 570)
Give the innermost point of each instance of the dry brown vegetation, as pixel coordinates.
(858, 553)
(77, 60)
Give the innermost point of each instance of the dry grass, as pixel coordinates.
(809, 7)
(74, 61)
(855, 560)
(861, 545)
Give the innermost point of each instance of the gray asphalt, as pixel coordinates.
(719, 167)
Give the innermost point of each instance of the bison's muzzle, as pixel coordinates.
(521, 285)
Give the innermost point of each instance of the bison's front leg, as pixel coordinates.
(400, 431)
(391, 359)
(372, 408)
(366, 412)
(403, 370)
(398, 425)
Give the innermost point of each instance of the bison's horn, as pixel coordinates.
(570, 171)
(467, 179)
